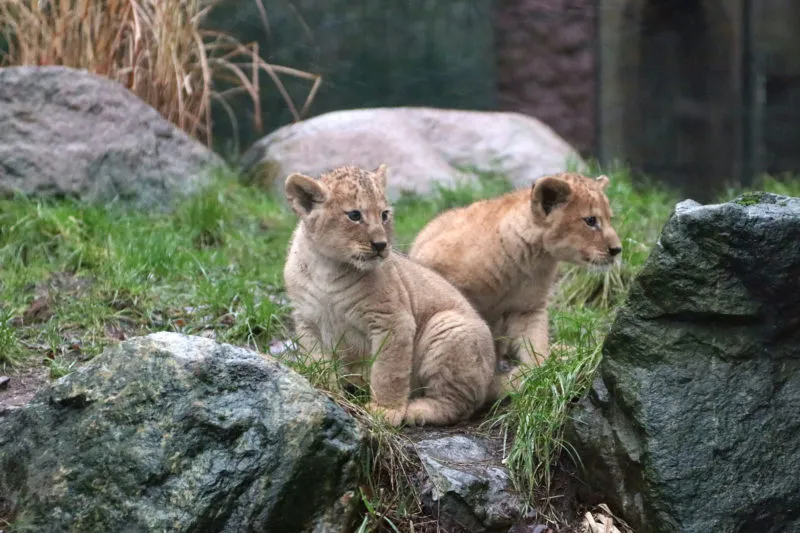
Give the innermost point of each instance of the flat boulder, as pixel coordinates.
(69, 133)
(422, 147)
(692, 423)
(170, 432)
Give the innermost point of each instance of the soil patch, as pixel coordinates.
(23, 383)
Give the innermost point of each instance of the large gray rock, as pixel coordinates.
(69, 133)
(693, 422)
(175, 433)
(465, 486)
(422, 146)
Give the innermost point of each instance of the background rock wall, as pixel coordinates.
(546, 64)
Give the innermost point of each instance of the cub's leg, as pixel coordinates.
(390, 376)
(526, 330)
(523, 331)
(455, 371)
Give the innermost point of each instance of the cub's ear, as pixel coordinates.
(602, 182)
(548, 193)
(303, 192)
(381, 174)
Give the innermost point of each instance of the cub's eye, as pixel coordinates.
(385, 216)
(355, 216)
(590, 221)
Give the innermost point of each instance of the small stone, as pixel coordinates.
(465, 486)
(4, 381)
(278, 347)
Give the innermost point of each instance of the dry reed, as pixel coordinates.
(156, 48)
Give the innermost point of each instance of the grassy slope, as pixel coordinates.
(74, 279)
(214, 265)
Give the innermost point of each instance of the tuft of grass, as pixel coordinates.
(786, 185)
(59, 367)
(10, 348)
(750, 198)
(155, 48)
(533, 420)
(387, 492)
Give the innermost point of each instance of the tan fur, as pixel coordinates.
(502, 255)
(435, 356)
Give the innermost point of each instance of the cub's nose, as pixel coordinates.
(378, 246)
(615, 250)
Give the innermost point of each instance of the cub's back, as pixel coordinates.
(428, 291)
(450, 231)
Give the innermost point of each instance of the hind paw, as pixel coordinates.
(393, 416)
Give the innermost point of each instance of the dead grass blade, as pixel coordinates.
(156, 48)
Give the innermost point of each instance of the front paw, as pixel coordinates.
(393, 416)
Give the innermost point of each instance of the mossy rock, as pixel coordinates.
(692, 422)
(177, 433)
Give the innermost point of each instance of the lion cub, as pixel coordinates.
(433, 354)
(502, 254)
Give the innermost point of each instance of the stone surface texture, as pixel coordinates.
(547, 64)
(176, 433)
(421, 146)
(69, 133)
(693, 422)
(465, 485)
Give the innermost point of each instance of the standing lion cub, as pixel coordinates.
(502, 255)
(433, 355)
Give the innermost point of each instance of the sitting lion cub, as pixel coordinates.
(502, 255)
(433, 355)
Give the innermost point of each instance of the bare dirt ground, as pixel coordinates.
(21, 386)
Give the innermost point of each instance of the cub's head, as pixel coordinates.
(574, 213)
(345, 214)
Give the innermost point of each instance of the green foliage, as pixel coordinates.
(534, 417)
(10, 348)
(786, 185)
(749, 198)
(213, 266)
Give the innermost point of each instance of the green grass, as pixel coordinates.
(11, 350)
(214, 265)
(74, 279)
(533, 420)
(787, 185)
